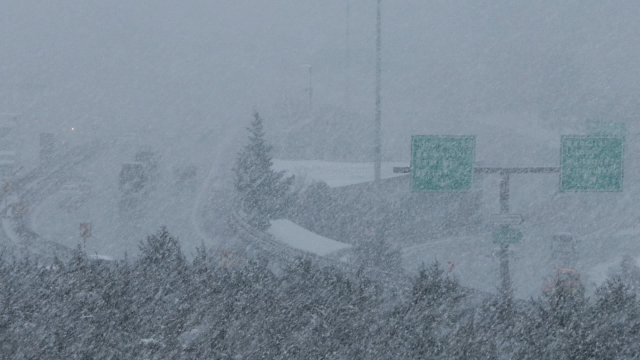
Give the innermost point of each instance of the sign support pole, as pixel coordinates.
(505, 288)
(506, 234)
(588, 163)
(377, 149)
(85, 232)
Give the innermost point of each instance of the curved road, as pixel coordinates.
(195, 211)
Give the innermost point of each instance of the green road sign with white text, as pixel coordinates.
(591, 163)
(442, 163)
(507, 235)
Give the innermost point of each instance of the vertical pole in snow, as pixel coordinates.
(505, 288)
(348, 56)
(310, 92)
(504, 193)
(309, 89)
(378, 141)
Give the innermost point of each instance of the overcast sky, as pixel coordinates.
(128, 65)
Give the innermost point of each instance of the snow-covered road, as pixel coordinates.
(180, 206)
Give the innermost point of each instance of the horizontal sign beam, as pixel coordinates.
(516, 170)
(496, 170)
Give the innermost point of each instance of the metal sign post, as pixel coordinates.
(85, 233)
(506, 233)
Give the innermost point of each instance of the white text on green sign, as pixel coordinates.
(591, 163)
(442, 163)
(507, 235)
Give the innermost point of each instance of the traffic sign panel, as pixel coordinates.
(507, 235)
(85, 230)
(591, 163)
(442, 163)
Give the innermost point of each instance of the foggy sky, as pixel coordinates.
(176, 67)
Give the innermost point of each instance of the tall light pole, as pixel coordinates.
(310, 89)
(378, 142)
(348, 58)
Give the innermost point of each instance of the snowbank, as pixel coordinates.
(300, 238)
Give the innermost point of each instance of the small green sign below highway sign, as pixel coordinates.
(507, 235)
(591, 163)
(442, 163)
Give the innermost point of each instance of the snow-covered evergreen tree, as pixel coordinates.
(161, 249)
(262, 191)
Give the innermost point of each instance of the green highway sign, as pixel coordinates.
(591, 163)
(442, 163)
(507, 235)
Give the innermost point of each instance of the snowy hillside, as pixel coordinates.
(335, 174)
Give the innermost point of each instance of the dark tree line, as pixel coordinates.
(161, 306)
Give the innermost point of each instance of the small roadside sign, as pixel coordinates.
(591, 163)
(85, 230)
(506, 219)
(442, 163)
(507, 235)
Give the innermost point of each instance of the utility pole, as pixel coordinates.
(348, 58)
(378, 142)
(310, 89)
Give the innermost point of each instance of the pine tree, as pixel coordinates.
(262, 191)
(161, 250)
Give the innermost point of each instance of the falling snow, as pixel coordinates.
(200, 180)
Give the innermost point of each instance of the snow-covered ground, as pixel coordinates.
(169, 202)
(336, 174)
(602, 267)
(300, 238)
(600, 221)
